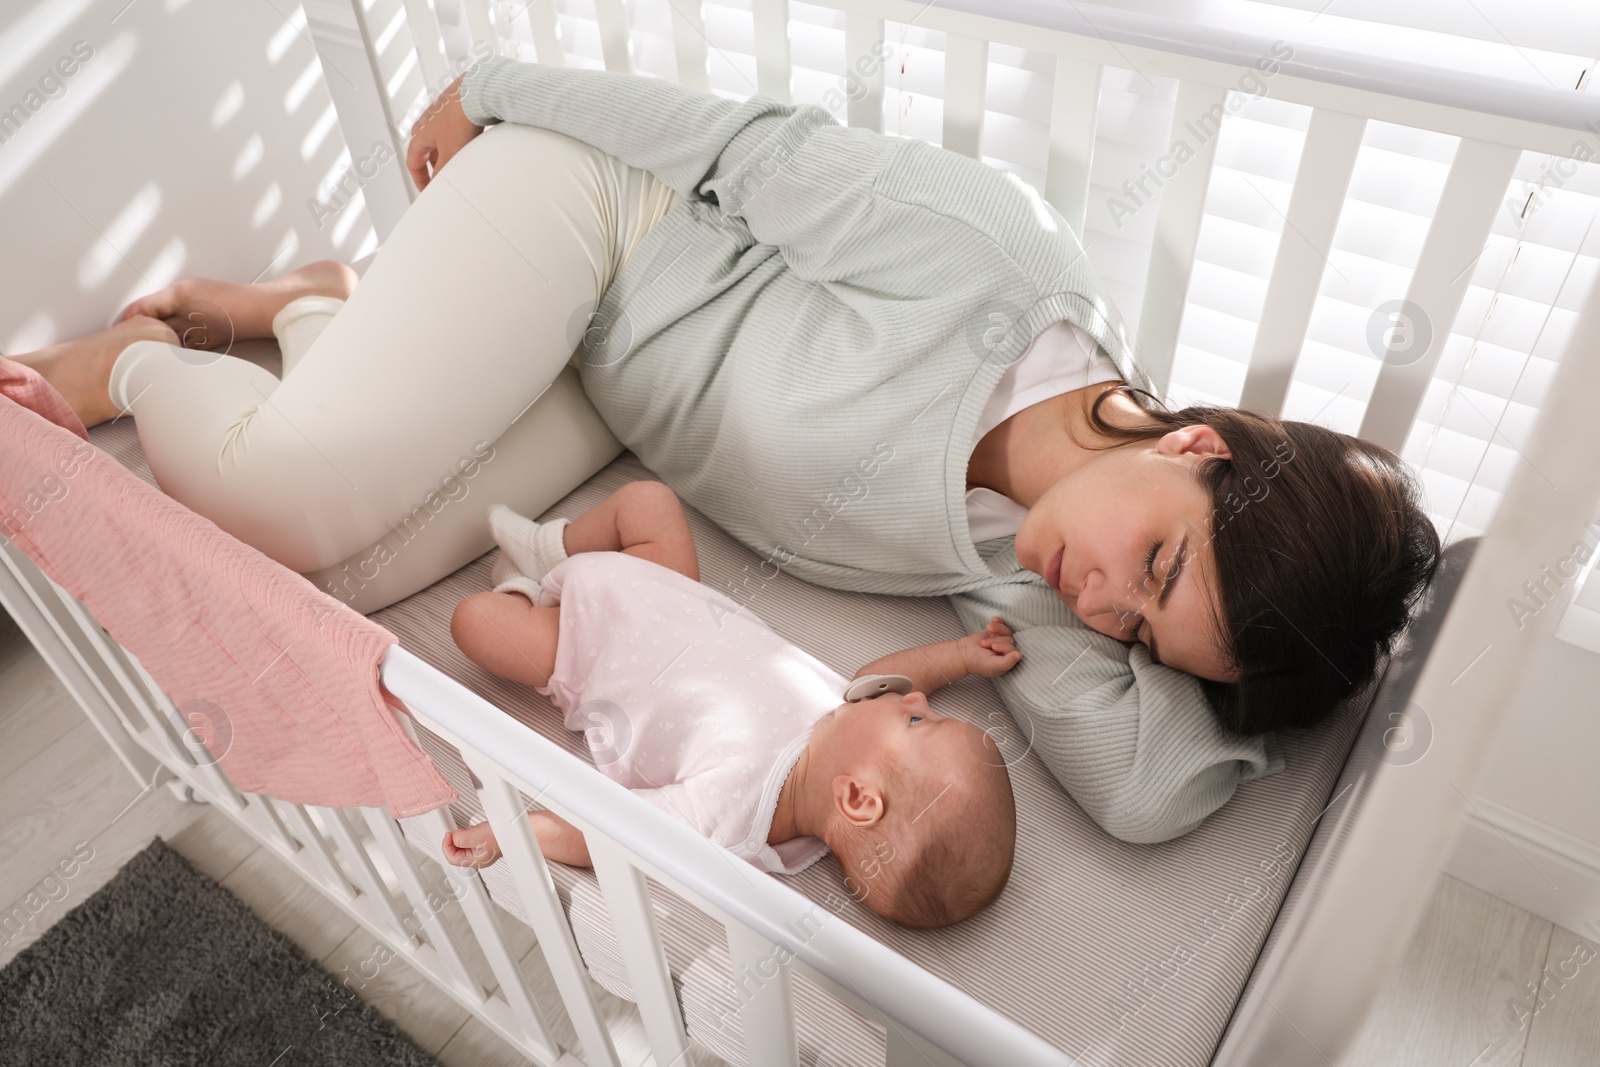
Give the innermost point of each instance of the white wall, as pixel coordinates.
(188, 143)
(1532, 832)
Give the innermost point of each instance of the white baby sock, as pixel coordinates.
(534, 591)
(528, 551)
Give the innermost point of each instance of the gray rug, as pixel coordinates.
(164, 966)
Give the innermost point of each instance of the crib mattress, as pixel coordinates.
(1115, 953)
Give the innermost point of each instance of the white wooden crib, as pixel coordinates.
(1367, 872)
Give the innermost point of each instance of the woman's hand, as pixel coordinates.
(441, 132)
(992, 652)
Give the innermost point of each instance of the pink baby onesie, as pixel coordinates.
(689, 701)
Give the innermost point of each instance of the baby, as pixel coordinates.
(711, 716)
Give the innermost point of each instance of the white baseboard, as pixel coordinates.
(1531, 864)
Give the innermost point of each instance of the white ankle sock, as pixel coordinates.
(503, 569)
(534, 591)
(532, 548)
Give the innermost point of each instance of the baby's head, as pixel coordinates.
(921, 817)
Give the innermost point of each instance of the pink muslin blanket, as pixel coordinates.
(278, 679)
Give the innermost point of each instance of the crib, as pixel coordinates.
(720, 961)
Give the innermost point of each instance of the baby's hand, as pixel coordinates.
(473, 846)
(992, 652)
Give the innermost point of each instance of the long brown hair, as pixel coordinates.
(1322, 549)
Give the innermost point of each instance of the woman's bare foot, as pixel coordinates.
(80, 370)
(212, 315)
(474, 846)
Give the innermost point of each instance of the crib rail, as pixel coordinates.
(362, 862)
(928, 1020)
(357, 857)
(1495, 121)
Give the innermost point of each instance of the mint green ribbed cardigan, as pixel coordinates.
(802, 349)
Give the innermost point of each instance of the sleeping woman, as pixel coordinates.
(882, 366)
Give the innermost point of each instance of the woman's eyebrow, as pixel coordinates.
(1177, 570)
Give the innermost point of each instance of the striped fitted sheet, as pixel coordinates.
(1116, 953)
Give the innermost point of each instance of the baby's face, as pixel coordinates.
(867, 732)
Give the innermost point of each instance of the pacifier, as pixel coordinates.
(871, 685)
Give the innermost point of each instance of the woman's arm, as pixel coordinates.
(772, 173)
(682, 136)
(894, 216)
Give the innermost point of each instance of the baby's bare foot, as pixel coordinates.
(80, 370)
(212, 315)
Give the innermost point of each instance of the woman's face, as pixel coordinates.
(1094, 530)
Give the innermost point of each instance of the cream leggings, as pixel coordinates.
(403, 413)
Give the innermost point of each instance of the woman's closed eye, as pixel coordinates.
(1149, 584)
(1149, 589)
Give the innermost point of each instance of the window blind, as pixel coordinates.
(1547, 42)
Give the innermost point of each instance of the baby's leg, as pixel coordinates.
(559, 840)
(505, 634)
(643, 519)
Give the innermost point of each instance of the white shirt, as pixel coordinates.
(1062, 358)
(691, 702)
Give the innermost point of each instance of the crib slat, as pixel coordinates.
(94, 650)
(369, 21)
(481, 24)
(42, 630)
(219, 788)
(391, 841)
(773, 69)
(628, 904)
(1183, 203)
(153, 704)
(90, 655)
(1074, 112)
(966, 77)
(615, 43)
(475, 903)
(863, 48)
(429, 41)
(689, 43)
(321, 856)
(766, 999)
(263, 814)
(371, 882)
(540, 17)
(538, 894)
(151, 701)
(1320, 185)
(1473, 192)
(78, 639)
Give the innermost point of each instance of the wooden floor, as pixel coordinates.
(1483, 985)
